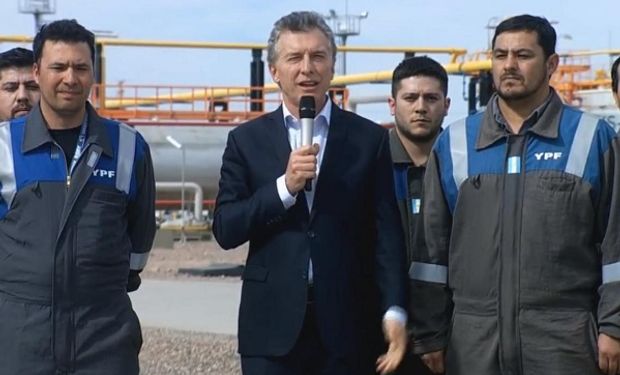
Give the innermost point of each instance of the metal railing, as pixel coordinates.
(189, 103)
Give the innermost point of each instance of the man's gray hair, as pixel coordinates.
(296, 22)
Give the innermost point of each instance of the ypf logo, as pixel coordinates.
(104, 173)
(548, 155)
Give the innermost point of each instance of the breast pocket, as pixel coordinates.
(562, 207)
(102, 226)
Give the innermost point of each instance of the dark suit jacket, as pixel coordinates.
(353, 235)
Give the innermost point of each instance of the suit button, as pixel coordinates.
(311, 234)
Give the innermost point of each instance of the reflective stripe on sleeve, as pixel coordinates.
(458, 151)
(137, 261)
(582, 142)
(7, 169)
(432, 273)
(125, 159)
(611, 272)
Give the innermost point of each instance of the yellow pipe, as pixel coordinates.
(591, 53)
(229, 45)
(15, 39)
(173, 44)
(350, 79)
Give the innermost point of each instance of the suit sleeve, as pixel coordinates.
(141, 217)
(390, 249)
(431, 305)
(241, 212)
(608, 225)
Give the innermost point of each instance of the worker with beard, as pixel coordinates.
(18, 89)
(521, 270)
(419, 104)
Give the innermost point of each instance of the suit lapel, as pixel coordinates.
(278, 136)
(331, 166)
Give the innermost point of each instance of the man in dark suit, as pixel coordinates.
(324, 265)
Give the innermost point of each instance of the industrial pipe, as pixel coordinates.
(178, 186)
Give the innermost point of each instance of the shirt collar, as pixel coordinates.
(399, 154)
(530, 121)
(325, 112)
(544, 121)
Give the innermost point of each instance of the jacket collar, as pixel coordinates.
(544, 121)
(399, 154)
(278, 135)
(37, 134)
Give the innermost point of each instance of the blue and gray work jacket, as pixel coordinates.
(521, 266)
(71, 246)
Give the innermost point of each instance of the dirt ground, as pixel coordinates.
(165, 263)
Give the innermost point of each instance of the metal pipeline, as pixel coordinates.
(178, 186)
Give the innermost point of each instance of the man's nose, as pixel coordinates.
(419, 106)
(511, 62)
(306, 64)
(22, 93)
(70, 77)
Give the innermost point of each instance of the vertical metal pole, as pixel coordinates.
(183, 237)
(344, 56)
(99, 76)
(257, 80)
(38, 22)
(471, 95)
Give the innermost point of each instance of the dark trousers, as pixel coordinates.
(412, 365)
(308, 356)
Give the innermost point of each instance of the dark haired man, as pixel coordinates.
(76, 222)
(521, 215)
(419, 104)
(18, 89)
(317, 258)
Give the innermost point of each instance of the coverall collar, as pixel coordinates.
(399, 154)
(36, 133)
(544, 121)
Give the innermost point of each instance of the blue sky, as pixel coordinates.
(589, 25)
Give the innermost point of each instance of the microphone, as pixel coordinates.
(307, 111)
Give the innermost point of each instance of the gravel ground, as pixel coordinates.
(168, 352)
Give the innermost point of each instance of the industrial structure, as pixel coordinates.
(187, 126)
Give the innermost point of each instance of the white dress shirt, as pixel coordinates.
(319, 136)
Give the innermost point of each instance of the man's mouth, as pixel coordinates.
(421, 120)
(511, 78)
(308, 84)
(21, 110)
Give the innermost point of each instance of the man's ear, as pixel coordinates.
(274, 74)
(552, 64)
(35, 72)
(392, 105)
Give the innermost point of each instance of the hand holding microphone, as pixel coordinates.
(302, 163)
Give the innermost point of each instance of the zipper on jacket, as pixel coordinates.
(64, 158)
(512, 192)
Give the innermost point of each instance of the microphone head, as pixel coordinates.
(307, 107)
